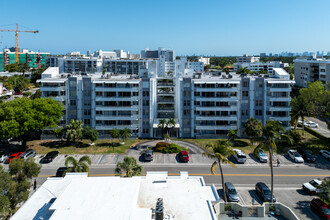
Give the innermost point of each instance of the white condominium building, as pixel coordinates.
(136, 94)
(311, 70)
(260, 66)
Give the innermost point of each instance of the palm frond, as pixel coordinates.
(71, 160)
(214, 167)
(85, 159)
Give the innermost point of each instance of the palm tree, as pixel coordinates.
(232, 135)
(129, 166)
(253, 129)
(272, 131)
(219, 152)
(74, 130)
(299, 108)
(115, 135)
(162, 125)
(243, 70)
(74, 165)
(170, 124)
(23, 67)
(125, 134)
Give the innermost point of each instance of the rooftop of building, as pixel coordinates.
(312, 60)
(77, 196)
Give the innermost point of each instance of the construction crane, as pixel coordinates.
(16, 42)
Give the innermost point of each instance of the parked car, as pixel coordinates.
(264, 192)
(14, 156)
(18, 93)
(312, 124)
(325, 154)
(148, 155)
(184, 157)
(49, 157)
(311, 186)
(322, 209)
(295, 156)
(308, 157)
(231, 192)
(27, 154)
(239, 156)
(4, 157)
(61, 171)
(262, 156)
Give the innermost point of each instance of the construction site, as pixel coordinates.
(14, 55)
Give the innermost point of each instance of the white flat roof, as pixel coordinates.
(80, 197)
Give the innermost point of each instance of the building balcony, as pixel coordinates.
(165, 100)
(215, 127)
(222, 89)
(164, 85)
(216, 108)
(213, 118)
(117, 108)
(52, 88)
(110, 117)
(279, 108)
(279, 89)
(279, 99)
(111, 89)
(119, 127)
(216, 99)
(279, 118)
(103, 98)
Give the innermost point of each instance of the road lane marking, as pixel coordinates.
(208, 174)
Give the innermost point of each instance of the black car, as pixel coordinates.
(49, 157)
(264, 192)
(61, 171)
(308, 157)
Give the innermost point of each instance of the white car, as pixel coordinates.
(4, 157)
(312, 124)
(239, 156)
(295, 156)
(262, 156)
(311, 186)
(325, 154)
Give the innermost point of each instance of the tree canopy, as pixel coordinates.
(253, 128)
(22, 117)
(74, 130)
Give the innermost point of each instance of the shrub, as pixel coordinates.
(168, 148)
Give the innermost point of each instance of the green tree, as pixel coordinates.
(74, 130)
(81, 165)
(23, 117)
(272, 132)
(162, 125)
(115, 133)
(125, 133)
(129, 166)
(243, 70)
(232, 135)
(325, 188)
(15, 185)
(91, 133)
(12, 67)
(219, 152)
(23, 67)
(58, 132)
(27, 94)
(253, 129)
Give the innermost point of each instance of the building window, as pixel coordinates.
(245, 93)
(258, 112)
(246, 84)
(87, 112)
(258, 102)
(73, 102)
(99, 93)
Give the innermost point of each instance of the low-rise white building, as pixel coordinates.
(77, 196)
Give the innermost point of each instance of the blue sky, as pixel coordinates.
(209, 27)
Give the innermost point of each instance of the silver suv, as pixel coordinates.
(27, 154)
(239, 156)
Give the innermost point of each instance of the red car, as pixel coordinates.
(14, 156)
(322, 209)
(184, 157)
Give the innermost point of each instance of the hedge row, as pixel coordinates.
(315, 133)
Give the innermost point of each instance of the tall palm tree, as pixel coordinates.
(299, 108)
(170, 124)
(232, 135)
(219, 152)
(129, 166)
(253, 128)
(125, 133)
(74, 165)
(162, 125)
(272, 131)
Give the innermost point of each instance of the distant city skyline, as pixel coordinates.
(212, 27)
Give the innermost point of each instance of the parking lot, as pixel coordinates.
(292, 196)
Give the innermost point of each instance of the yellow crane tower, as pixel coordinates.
(16, 42)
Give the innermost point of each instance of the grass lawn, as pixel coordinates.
(102, 146)
(242, 144)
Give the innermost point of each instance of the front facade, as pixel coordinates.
(136, 94)
(259, 66)
(311, 70)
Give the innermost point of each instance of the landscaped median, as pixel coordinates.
(101, 146)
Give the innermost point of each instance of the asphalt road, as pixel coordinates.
(323, 127)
